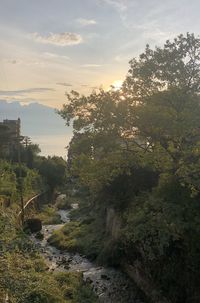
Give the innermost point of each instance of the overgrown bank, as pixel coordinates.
(24, 275)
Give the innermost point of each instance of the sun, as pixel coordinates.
(117, 84)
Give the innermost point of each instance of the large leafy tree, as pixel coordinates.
(151, 125)
(176, 65)
(155, 114)
(163, 87)
(53, 170)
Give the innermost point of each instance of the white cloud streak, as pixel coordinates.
(22, 92)
(47, 55)
(64, 84)
(86, 22)
(122, 58)
(60, 39)
(27, 62)
(120, 5)
(91, 65)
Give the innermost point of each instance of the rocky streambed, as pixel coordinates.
(110, 285)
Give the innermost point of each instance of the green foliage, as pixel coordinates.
(49, 215)
(119, 191)
(8, 181)
(53, 169)
(20, 266)
(176, 65)
(83, 237)
(162, 229)
(24, 276)
(137, 150)
(29, 153)
(74, 289)
(33, 182)
(154, 116)
(66, 238)
(65, 201)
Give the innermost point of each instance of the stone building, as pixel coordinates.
(10, 136)
(11, 128)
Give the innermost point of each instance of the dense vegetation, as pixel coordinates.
(136, 155)
(21, 165)
(24, 275)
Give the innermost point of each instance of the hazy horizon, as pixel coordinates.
(42, 124)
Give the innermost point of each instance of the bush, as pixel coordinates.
(78, 237)
(161, 230)
(41, 296)
(49, 215)
(33, 225)
(27, 279)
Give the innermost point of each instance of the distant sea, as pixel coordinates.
(42, 124)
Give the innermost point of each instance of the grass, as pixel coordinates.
(74, 289)
(49, 215)
(79, 237)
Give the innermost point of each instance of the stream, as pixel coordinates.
(110, 285)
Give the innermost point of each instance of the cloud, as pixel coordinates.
(22, 101)
(22, 92)
(27, 62)
(120, 5)
(48, 55)
(64, 84)
(157, 35)
(86, 22)
(60, 39)
(120, 58)
(124, 7)
(91, 65)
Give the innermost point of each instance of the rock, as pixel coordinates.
(33, 224)
(39, 236)
(66, 266)
(64, 260)
(105, 277)
(88, 280)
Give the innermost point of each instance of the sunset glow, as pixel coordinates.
(49, 48)
(117, 84)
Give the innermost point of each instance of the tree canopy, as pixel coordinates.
(137, 150)
(155, 114)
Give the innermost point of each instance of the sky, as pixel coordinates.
(49, 47)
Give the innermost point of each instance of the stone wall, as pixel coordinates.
(113, 223)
